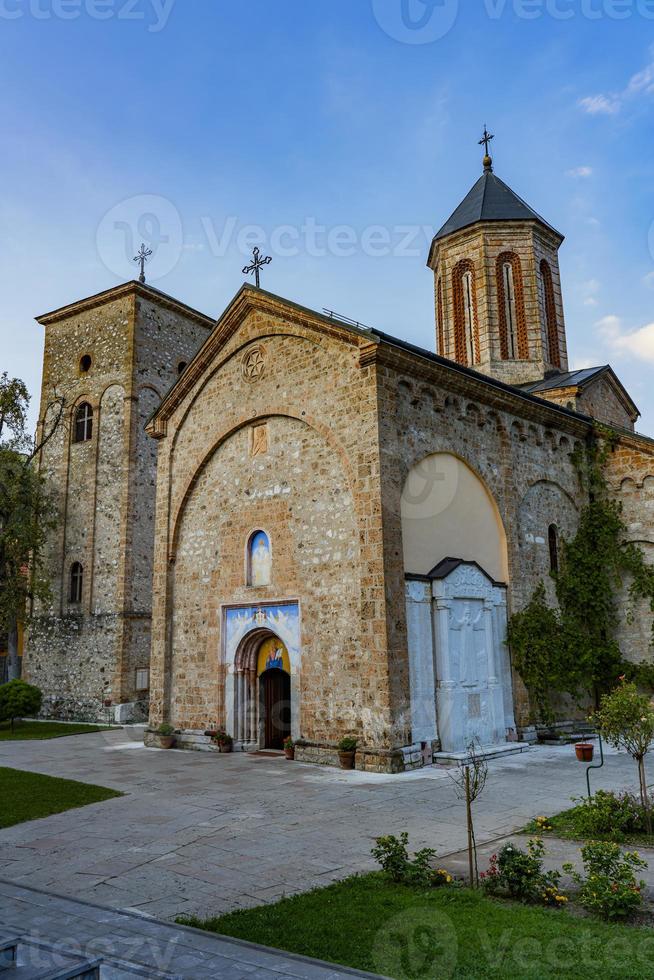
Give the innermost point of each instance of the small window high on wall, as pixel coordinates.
(83, 428)
(259, 559)
(553, 540)
(76, 582)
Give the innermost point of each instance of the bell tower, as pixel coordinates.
(499, 307)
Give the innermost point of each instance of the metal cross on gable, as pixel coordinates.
(142, 256)
(258, 263)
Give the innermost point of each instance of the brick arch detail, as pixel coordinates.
(460, 353)
(440, 318)
(521, 319)
(551, 322)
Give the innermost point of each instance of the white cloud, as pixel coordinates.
(643, 81)
(601, 105)
(638, 343)
(609, 104)
(648, 280)
(580, 172)
(590, 301)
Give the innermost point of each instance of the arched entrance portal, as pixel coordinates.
(262, 692)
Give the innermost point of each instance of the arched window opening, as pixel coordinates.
(551, 322)
(468, 307)
(83, 423)
(466, 341)
(514, 344)
(181, 367)
(553, 539)
(85, 364)
(509, 310)
(259, 559)
(76, 582)
(440, 318)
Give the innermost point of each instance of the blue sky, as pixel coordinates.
(346, 130)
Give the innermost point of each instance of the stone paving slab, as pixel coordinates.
(162, 949)
(204, 833)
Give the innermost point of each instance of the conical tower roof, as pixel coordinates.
(490, 200)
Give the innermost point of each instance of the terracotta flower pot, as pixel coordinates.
(289, 753)
(166, 741)
(225, 747)
(346, 759)
(584, 751)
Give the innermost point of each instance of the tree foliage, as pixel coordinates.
(27, 512)
(626, 720)
(19, 700)
(573, 649)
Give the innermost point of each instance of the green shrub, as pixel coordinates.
(19, 700)
(607, 814)
(392, 854)
(165, 730)
(347, 744)
(519, 874)
(609, 887)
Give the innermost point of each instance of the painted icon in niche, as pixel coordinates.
(273, 655)
(260, 559)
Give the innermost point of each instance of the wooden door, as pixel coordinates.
(277, 707)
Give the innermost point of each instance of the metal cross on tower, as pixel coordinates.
(486, 141)
(257, 264)
(142, 256)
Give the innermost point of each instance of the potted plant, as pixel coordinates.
(224, 741)
(347, 748)
(584, 751)
(289, 748)
(165, 736)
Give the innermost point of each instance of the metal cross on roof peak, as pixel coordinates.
(258, 263)
(142, 256)
(486, 141)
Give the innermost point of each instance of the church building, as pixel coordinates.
(343, 521)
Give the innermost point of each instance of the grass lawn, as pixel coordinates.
(369, 923)
(29, 795)
(44, 729)
(563, 825)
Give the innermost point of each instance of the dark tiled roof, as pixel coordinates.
(490, 200)
(566, 379)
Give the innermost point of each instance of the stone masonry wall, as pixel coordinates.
(521, 454)
(85, 654)
(316, 490)
(482, 244)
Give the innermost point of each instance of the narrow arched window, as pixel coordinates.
(551, 320)
(83, 423)
(259, 559)
(466, 342)
(553, 540)
(76, 582)
(181, 367)
(85, 364)
(514, 343)
(440, 318)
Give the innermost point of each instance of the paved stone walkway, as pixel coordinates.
(132, 945)
(205, 833)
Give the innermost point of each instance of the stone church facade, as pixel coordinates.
(343, 521)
